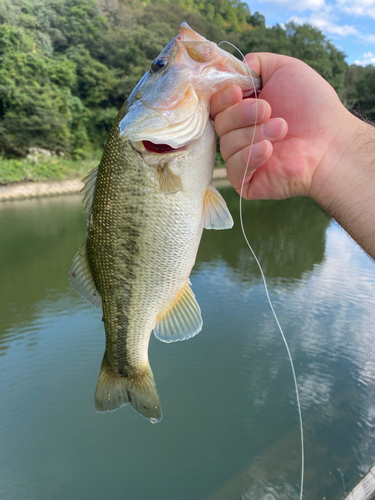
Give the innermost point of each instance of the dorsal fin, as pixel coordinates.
(89, 188)
(215, 211)
(182, 320)
(81, 279)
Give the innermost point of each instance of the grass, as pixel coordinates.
(45, 167)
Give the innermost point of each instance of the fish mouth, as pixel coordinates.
(250, 93)
(162, 149)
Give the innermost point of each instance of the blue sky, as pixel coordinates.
(348, 24)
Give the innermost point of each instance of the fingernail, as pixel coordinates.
(255, 112)
(228, 96)
(274, 129)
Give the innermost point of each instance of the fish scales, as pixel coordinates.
(147, 210)
(132, 224)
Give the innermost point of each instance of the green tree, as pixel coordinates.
(304, 42)
(364, 101)
(230, 15)
(311, 46)
(35, 110)
(66, 66)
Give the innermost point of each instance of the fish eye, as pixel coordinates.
(158, 64)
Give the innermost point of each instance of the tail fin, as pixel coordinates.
(114, 390)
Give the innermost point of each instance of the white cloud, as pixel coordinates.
(366, 37)
(368, 58)
(349, 24)
(360, 8)
(324, 23)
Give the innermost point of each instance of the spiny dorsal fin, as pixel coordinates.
(81, 279)
(169, 182)
(215, 211)
(88, 189)
(182, 320)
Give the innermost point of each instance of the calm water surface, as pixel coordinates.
(230, 428)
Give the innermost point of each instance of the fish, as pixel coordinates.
(148, 201)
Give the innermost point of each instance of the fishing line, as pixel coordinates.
(264, 279)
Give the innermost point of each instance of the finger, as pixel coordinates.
(273, 130)
(253, 61)
(242, 114)
(247, 160)
(266, 63)
(225, 98)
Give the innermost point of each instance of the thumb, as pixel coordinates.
(266, 63)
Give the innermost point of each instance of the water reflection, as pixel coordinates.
(230, 427)
(40, 236)
(38, 239)
(287, 236)
(328, 319)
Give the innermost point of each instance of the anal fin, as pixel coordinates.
(182, 320)
(215, 211)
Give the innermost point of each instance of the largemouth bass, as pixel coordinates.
(148, 202)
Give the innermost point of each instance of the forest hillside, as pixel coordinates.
(66, 66)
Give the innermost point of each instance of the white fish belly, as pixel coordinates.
(170, 239)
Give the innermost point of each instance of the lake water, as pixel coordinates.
(230, 429)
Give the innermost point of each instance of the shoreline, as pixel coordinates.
(26, 190)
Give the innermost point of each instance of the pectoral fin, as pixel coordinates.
(81, 279)
(169, 182)
(182, 320)
(215, 211)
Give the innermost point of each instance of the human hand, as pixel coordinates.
(301, 134)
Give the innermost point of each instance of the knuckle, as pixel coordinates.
(254, 135)
(219, 125)
(214, 106)
(230, 168)
(224, 146)
(246, 156)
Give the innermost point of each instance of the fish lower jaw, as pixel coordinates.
(249, 93)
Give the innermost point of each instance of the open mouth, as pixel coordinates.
(159, 148)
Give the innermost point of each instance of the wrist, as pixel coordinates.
(344, 183)
(343, 146)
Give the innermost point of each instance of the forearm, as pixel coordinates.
(346, 188)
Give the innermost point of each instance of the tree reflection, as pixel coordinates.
(38, 240)
(288, 237)
(40, 237)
